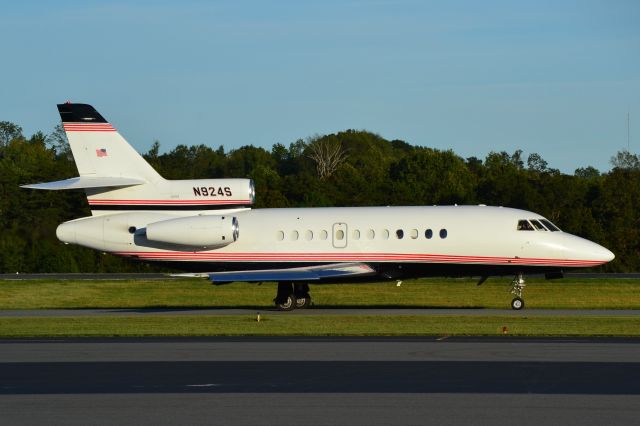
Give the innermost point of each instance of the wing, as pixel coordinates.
(307, 273)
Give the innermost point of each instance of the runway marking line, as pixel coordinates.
(204, 385)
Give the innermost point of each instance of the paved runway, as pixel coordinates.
(282, 381)
(317, 311)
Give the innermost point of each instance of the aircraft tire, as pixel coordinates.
(303, 301)
(289, 304)
(517, 304)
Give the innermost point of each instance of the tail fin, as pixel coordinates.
(98, 149)
(117, 179)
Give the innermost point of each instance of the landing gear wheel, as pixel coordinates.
(517, 304)
(288, 304)
(285, 298)
(303, 301)
(301, 292)
(517, 288)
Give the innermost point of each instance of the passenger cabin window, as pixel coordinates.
(524, 225)
(324, 234)
(280, 235)
(371, 234)
(550, 226)
(399, 234)
(443, 233)
(308, 235)
(356, 234)
(339, 234)
(295, 235)
(414, 234)
(538, 225)
(428, 234)
(385, 234)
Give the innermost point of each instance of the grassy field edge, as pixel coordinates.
(424, 293)
(317, 325)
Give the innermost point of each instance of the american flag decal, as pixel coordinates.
(101, 152)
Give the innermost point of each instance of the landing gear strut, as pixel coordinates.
(292, 296)
(517, 287)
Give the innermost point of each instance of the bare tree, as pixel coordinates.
(625, 160)
(328, 155)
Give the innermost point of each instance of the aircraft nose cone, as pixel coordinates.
(595, 251)
(582, 249)
(605, 254)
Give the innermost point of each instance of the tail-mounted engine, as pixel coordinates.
(202, 231)
(123, 232)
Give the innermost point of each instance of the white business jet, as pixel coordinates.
(207, 226)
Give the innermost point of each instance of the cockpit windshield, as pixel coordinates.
(550, 226)
(524, 225)
(536, 225)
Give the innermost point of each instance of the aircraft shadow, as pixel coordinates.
(317, 308)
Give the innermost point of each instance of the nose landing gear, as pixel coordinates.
(517, 288)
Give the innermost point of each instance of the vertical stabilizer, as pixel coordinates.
(98, 149)
(117, 179)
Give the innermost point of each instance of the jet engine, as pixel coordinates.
(201, 231)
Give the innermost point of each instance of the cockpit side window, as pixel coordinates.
(524, 225)
(549, 225)
(538, 225)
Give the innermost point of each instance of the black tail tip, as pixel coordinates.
(79, 113)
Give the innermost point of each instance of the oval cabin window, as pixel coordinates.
(280, 235)
(414, 234)
(385, 234)
(371, 234)
(308, 235)
(339, 234)
(356, 234)
(295, 235)
(443, 233)
(324, 234)
(428, 234)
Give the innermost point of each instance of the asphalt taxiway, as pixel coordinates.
(360, 381)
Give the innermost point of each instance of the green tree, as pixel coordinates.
(8, 132)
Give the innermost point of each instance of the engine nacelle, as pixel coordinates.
(201, 231)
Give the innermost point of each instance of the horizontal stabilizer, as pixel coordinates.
(309, 273)
(86, 182)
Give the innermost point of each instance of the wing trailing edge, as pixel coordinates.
(307, 273)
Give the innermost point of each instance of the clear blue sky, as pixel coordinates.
(553, 77)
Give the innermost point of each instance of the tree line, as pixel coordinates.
(349, 168)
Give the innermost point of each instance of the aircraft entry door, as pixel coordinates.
(339, 235)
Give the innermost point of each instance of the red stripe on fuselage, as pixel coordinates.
(356, 257)
(165, 202)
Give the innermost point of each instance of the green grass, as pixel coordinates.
(318, 325)
(441, 293)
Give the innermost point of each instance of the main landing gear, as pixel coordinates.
(292, 296)
(517, 287)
